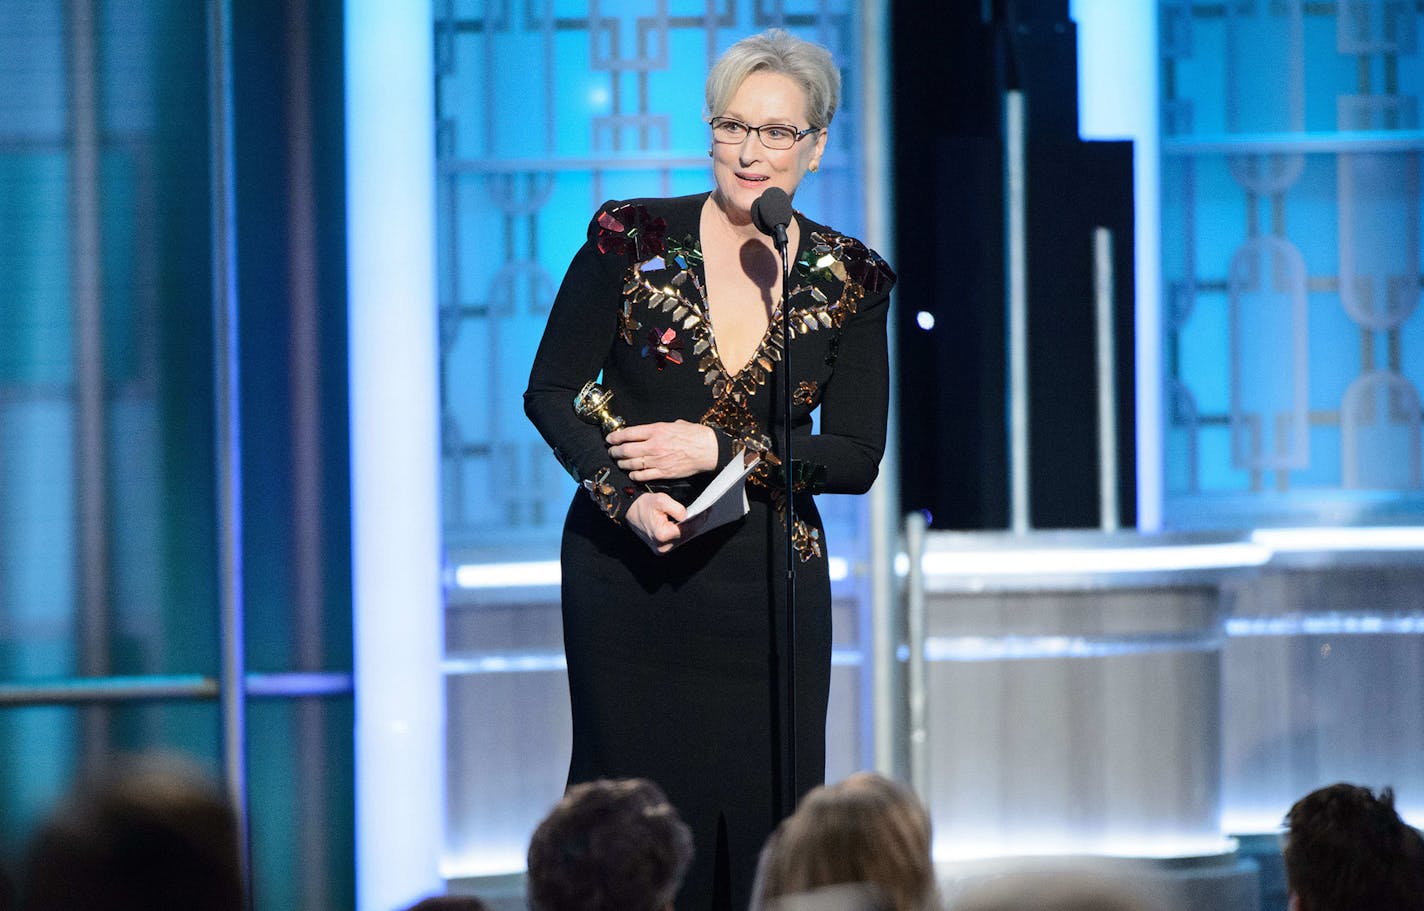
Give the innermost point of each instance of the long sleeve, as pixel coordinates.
(582, 326)
(844, 456)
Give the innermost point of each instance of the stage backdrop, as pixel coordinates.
(1293, 361)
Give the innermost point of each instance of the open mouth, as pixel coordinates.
(753, 178)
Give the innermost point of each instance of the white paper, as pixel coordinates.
(724, 500)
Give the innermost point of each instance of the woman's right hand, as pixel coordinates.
(654, 517)
(663, 451)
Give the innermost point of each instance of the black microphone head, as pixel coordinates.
(771, 210)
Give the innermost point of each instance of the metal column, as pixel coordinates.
(227, 412)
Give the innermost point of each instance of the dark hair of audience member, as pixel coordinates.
(1347, 848)
(864, 830)
(149, 834)
(449, 903)
(609, 846)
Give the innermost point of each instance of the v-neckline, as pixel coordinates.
(772, 322)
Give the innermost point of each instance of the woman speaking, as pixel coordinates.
(675, 639)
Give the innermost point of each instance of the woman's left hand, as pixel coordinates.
(663, 451)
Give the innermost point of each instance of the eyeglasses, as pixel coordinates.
(776, 136)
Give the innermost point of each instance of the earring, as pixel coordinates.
(709, 153)
(815, 166)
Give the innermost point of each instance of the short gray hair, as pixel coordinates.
(778, 51)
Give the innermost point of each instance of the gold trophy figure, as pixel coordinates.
(591, 404)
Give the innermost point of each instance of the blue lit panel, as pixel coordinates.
(1291, 144)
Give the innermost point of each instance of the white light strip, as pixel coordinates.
(542, 662)
(1019, 648)
(395, 446)
(546, 573)
(968, 845)
(1012, 562)
(1287, 540)
(528, 574)
(1019, 561)
(1325, 625)
(530, 662)
(1084, 561)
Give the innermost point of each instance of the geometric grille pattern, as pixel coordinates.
(1291, 212)
(545, 110)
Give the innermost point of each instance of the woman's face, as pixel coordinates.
(743, 171)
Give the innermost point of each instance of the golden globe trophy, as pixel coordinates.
(591, 404)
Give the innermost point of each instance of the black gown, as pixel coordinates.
(673, 658)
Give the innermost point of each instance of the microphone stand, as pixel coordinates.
(789, 800)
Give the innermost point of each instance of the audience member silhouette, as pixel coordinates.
(7, 889)
(1346, 848)
(149, 834)
(609, 846)
(862, 843)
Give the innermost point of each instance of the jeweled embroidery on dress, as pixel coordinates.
(602, 492)
(664, 346)
(626, 324)
(686, 310)
(744, 383)
(631, 230)
(808, 476)
(830, 259)
(852, 264)
(806, 539)
(734, 418)
(832, 276)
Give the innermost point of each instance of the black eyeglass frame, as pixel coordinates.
(796, 135)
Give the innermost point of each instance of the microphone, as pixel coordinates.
(771, 213)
